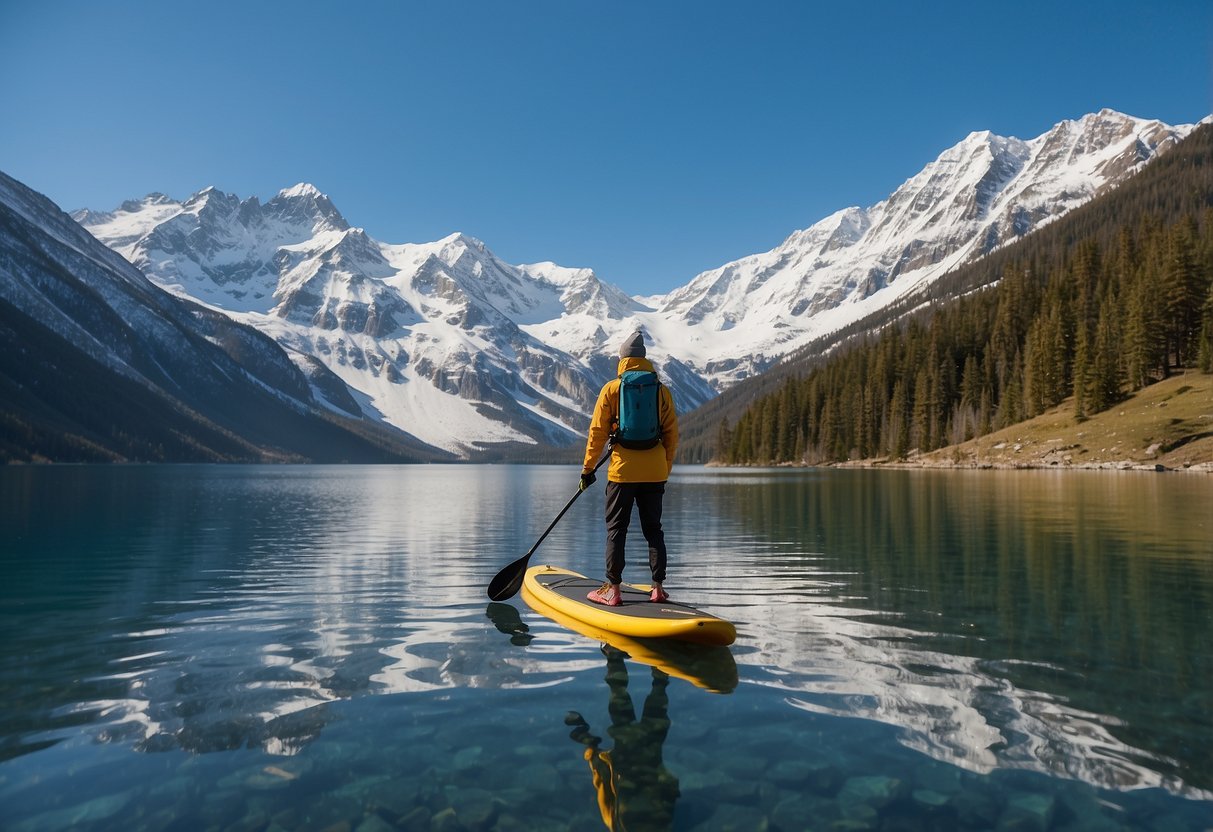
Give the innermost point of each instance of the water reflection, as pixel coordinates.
(635, 790)
(506, 619)
(1054, 624)
(217, 608)
(1061, 625)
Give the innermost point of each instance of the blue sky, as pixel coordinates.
(647, 140)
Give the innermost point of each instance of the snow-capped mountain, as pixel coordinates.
(451, 344)
(978, 195)
(443, 340)
(100, 363)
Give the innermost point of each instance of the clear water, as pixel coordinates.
(310, 648)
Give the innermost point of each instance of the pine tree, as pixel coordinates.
(1183, 287)
(1010, 408)
(724, 441)
(1206, 333)
(1082, 373)
(1137, 342)
(1105, 366)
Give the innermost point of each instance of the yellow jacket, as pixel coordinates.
(653, 465)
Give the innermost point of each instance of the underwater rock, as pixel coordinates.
(938, 778)
(1088, 813)
(288, 818)
(222, 808)
(418, 820)
(876, 792)
(857, 816)
(255, 821)
(543, 779)
(360, 788)
(446, 821)
(467, 758)
(476, 809)
(91, 811)
(1028, 813)
(702, 784)
(975, 808)
(823, 778)
(803, 812)
(929, 800)
(374, 823)
(789, 773)
(730, 817)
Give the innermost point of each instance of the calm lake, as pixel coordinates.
(310, 648)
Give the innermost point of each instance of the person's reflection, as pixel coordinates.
(635, 790)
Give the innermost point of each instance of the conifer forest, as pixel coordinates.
(1111, 298)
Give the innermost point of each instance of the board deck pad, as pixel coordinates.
(637, 616)
(577, 588)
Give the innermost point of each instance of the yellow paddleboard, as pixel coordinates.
(710, 667)
(565, 592)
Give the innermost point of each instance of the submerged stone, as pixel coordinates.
(803, 812)
(730, 817)
(823, 779)
(254, 821)
(446, 821)
(929, 800)
(392, 800)
(938, 778)
(467, 758)
(876, 792)
(789, 773)
(476, 809)
(374, 823)
(975, 808)
(417, 820)
(1028, 813)
(91, 811)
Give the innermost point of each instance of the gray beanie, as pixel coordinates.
(633, 346)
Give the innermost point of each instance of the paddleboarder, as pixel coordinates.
(637, 412)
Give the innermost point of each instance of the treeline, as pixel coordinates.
(1095, 318)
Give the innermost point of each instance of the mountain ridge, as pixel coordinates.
(102, 364)
(516, 353)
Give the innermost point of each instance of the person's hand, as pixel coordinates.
(587, 479)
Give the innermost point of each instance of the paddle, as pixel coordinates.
(509, 580)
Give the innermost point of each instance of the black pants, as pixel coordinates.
(620, 497)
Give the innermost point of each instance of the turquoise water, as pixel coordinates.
(311, 648)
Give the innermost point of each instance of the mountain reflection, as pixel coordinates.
(1059, 624)
(1017, 620)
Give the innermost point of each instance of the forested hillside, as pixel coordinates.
(1109, 299)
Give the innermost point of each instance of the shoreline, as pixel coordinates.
(942, 465)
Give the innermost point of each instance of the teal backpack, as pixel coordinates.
(639, 413)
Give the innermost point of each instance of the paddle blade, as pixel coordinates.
(508, 581)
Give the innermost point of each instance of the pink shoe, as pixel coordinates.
(607, 595)
(658, 594)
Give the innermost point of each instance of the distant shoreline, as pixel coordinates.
(1167, 426)
(936, 465)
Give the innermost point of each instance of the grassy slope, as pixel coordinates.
(1169, 423)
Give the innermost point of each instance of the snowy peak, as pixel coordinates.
(303, 190)
(980, 194)
(443, 340)
(452, 344)
(304, 204)
(218, 248)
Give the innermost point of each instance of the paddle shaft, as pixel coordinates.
(508, 581)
